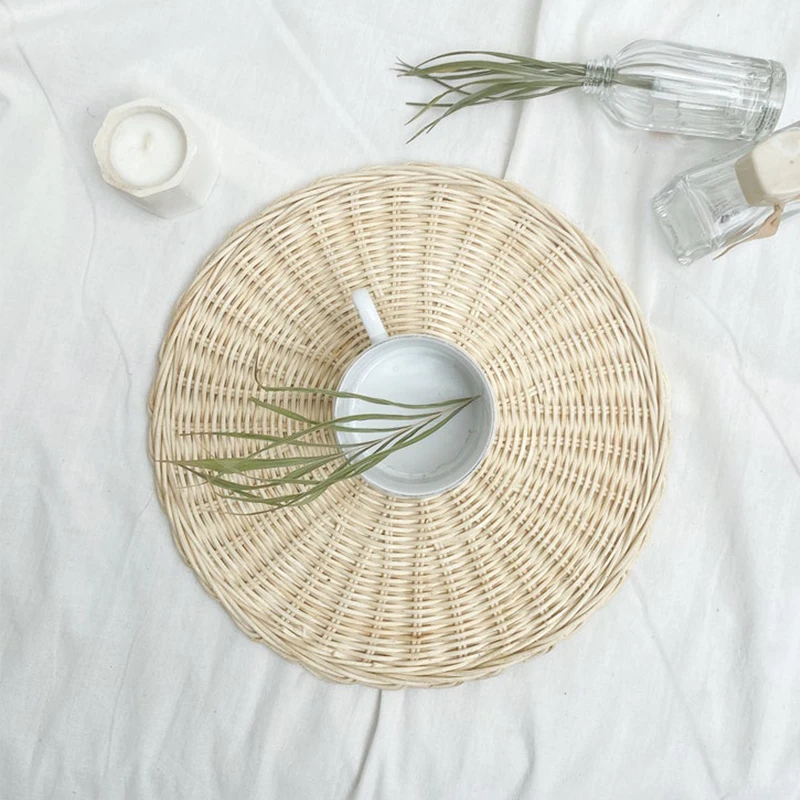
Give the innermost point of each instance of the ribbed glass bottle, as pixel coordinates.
(675, 88)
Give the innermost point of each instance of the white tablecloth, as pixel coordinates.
(119, 676)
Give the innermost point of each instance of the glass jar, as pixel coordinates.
(705, 209)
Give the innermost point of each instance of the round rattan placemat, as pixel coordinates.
(358, 586)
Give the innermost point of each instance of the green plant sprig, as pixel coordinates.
(306, 476)
(477, 77)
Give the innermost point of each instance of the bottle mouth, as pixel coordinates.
(599, 75)
(774, 105)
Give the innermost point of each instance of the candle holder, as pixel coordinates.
(156, 157)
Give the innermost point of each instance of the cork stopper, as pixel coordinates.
(770, 173)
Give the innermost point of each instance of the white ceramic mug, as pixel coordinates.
(418, 368)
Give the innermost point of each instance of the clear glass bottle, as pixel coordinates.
(675, 88)
(705, 210)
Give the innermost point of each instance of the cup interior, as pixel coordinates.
(419, 369)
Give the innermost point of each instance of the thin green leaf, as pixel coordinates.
(264, 437)
(227, 466)
(284, 412)
(532, 62)
(365, 398)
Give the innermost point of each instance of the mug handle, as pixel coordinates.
(365, 307)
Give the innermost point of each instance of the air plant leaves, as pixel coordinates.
(380, 401)
(471, 78)
(260, 477)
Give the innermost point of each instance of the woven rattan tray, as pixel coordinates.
(358, 586)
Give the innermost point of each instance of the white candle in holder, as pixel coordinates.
(154, 155)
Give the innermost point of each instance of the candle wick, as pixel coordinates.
(148, 142)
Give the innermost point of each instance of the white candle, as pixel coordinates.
(156, 157)
(147, 148)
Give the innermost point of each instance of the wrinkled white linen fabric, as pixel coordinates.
(119, 676)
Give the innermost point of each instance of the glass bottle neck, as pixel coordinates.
(599, 75)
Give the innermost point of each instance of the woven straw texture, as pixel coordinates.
(358, 586)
